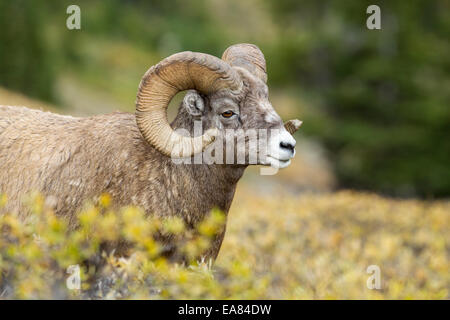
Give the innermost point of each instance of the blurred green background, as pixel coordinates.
(376, 102)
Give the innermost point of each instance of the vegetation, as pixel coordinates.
(316, 246)
(25, 59)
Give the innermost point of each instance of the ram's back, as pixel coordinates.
(67, 159)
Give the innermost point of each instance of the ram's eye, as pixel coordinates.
(227, 114)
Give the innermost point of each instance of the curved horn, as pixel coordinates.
(181, 71)
(247, 56)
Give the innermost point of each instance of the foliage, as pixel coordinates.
(25, 59)
(316, 246)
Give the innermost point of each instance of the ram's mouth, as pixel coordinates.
(277, 163)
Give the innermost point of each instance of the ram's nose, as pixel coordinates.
(287, 145)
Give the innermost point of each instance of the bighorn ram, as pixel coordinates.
(130, 156)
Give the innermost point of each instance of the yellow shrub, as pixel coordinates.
(278, 247)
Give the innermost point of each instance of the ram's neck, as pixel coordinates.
(189, 191)
(186, 190)
(210, 185)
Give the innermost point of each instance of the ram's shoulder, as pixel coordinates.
(116, 119)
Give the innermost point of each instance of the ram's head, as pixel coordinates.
(227, 93)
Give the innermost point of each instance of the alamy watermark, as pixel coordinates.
(374, 281)
(73, 22)
(267, 147)
(73, 282)
(374, 20)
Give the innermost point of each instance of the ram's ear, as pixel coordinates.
(194, 103)
(292, 125)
